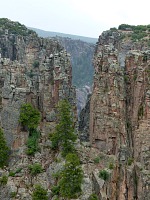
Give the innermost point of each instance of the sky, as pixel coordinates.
(79, 17)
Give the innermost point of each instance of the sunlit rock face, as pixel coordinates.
(120, 113)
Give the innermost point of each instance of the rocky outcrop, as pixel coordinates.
(119, 114)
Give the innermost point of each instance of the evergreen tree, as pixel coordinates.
(64, 134)
(4, 150)
(72, 176)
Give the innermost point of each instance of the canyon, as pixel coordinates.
(114, 126)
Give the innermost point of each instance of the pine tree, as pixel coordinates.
(64, 135)
(72, 176)
(4, 150)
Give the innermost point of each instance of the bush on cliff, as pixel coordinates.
(4, 150)
(33, 142)
(29, 116)
(39, 193)
(64, 134)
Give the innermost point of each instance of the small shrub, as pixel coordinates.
(3, 180)
(32, 142)
(4, 150)
(39, 193)
(93, 197)
(11, 173)
(130, 161)
(96, 160)
(57, 174)
(103, 174)
(18, 170)
(140, 111)
(135, 76)
(55, 190)
(111, 165)
(29, 116)
(13, 194)
(35, 169)
(36, 63)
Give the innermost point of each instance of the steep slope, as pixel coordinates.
(120, 111)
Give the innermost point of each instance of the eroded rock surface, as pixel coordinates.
(37, 71)
(120, 114)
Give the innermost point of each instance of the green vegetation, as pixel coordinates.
(103, 174)
(39, 193)
(135, 76)
(130, 161)
(72, 176)
(3, 180)
(11, 173)
(55, 190)
(140, 111)
(64, 134)
(93, 197)
(138, 32)
(13, 194)
(32, 142)
(96, 160)
(36, 64)
(111, 165)
(4, 150)
(14, 27)
(29, 116)
(35, 169)
(134, 28)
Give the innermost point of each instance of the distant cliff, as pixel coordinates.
(81, 50)
(44, 34)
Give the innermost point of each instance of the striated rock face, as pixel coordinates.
(37, 71)
(32, 70)
(120, 114)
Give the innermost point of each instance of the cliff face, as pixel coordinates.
(120, 113)
(40, 74)
(37, 71)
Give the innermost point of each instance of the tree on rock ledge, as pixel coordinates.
(4, 150)
(72, 177)
(29, 116)
(64, 135)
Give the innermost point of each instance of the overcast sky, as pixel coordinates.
(79, 17)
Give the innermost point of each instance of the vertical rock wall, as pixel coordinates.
(32, 70)
(119, 115)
